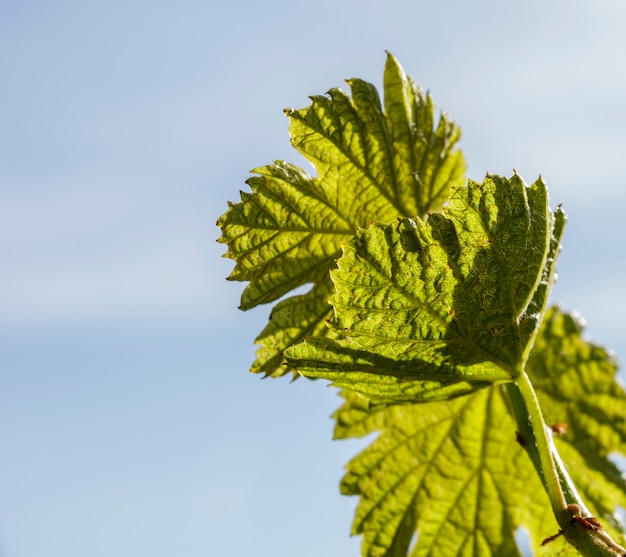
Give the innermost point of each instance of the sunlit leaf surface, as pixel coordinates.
(373, 161)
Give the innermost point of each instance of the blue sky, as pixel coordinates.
(129, 424)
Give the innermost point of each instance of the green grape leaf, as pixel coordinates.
(372, 162)
(449, 472)
(455, 475)
(437, 308)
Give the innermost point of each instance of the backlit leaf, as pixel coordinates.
(456, 474)
(451, 471)
(372, 162)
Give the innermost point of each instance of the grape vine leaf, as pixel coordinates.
(374, 161)
(450, 471)
(454, 474)
(435, 308)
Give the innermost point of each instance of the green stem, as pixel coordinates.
(563, 495)
(539, 445)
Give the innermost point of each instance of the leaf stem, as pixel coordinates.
(538, 442)
(567, 505)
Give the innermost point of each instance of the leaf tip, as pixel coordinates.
(391, 59)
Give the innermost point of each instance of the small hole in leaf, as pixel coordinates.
(522, 539)
(412, 543)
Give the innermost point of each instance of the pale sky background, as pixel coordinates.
(129, 424)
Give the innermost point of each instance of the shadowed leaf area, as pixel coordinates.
(429, 309)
